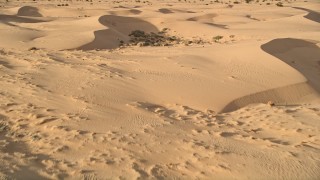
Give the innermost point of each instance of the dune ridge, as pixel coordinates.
(286, 50)
(284, 96)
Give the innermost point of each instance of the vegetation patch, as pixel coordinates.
(280, 4)
(3, 127)
(217, 38)
(141, 38)
(162, 38)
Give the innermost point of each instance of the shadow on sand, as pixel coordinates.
(26, 11)
(29, 11)
(312, 15)
(119, 28)
(300, 54)
(7, 19)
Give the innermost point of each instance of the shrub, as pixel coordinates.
(279, 4)
(137, 33)
(217, 38)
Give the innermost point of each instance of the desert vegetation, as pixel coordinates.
(163, 38)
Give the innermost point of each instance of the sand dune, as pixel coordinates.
(288, 95)
(74, 104)
(29, 11)
(118, 29)
(300, 54)
(312, 15)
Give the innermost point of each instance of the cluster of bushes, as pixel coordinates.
(162, 38)
(62, 4)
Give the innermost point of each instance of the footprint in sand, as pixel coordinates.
(177, 112)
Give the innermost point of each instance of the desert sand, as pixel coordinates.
(203, 90)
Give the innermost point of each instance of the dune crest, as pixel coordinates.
(299, 54)
(312, 15)
(283, 96)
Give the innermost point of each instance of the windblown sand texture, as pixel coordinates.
(80, 100)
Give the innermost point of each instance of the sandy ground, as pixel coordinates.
(79, 101)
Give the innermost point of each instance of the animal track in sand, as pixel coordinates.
(158, 172)
(142, 173)
(277, 141)
(176, 112)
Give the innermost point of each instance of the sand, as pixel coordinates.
(232, 91)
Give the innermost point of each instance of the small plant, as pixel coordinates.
(121, 43)
(35, 137)
(270, 103)
(33, 49)
(63, 5)
(280, 4)
(137, 33)
(164, 30)
(217, 38)
(161, 38)
(3, 127)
